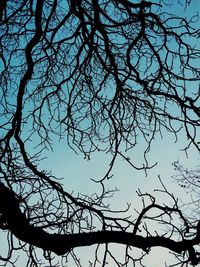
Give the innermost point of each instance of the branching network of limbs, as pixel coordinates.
(107, 75)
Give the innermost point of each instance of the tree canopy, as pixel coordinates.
(106, 76)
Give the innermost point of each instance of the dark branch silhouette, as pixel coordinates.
(13, 219)
(109, 76)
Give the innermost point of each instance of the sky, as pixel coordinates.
(78, 172)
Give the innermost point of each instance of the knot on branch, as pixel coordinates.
(9, 205)
(198, 232)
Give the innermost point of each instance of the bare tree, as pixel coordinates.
(106, 75)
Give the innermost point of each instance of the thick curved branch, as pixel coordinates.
(19, 225)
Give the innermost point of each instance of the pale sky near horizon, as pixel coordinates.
(77, 173)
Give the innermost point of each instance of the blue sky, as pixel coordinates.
(77, 172)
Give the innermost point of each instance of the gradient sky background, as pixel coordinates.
(77, 172)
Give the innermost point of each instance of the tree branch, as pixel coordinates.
(19, 225)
